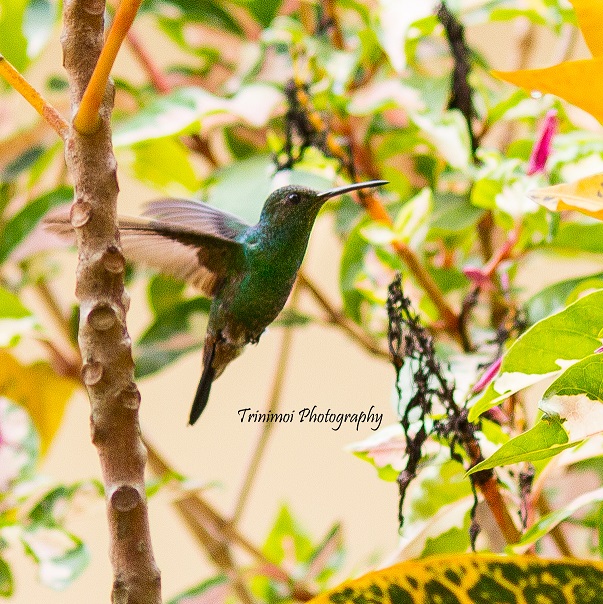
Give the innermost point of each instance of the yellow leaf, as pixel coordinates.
(578, 82)
(39, 390)
(475, 579)
(590, 17)
(584, 195)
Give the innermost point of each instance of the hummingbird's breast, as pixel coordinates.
(265, 285)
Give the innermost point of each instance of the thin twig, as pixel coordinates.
(54, 119)
(267, 427)
(155, 74)
(340, 320)
(556, 533)
(56, 313)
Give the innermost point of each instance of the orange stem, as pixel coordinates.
(87, 119)
(34, 98)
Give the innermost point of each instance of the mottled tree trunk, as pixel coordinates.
(104, 341)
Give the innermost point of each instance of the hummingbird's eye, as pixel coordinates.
(293, 198)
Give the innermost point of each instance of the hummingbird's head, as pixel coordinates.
(301, 203)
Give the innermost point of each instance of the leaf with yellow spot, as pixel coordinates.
(578, 82)
(39, 390)
(475, 579)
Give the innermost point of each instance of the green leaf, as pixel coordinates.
(484, 192)
(61, 572)
(455, 540)
(238, 146)
(554, 297)
(164, 293)
(57, 84)
(174, 320)
(6, 579)
(507, 14)
(284, 533)
(548, 522)
(327, 557)
(23, 162)
(210, 12)
(545, 349)
(290, 317)
(546, 439)
(24, 221)
(384, 450)
(448, 279)
(449, 135)
(412, 221)
(576, 396)
(451, 215)
(151, 359)
(15, 319)
(441, 482)
(395, 18)
(164, 163)
(262, 10)
(14, 42)
(509, 104)
(229, 194)
(579, 236)
(352, 263)
(259, 178)
(61, 557)
(49, 510)
(11, 307)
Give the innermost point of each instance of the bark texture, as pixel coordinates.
(108, 368)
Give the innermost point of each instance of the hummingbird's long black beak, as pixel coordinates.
(353, 187)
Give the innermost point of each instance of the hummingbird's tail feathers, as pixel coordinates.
(204, 387)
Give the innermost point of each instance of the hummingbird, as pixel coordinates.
(247, 270)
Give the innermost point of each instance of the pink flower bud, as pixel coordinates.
(488, 375)
(542, 146)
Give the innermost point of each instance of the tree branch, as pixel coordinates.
(103, 337)
(338, 319)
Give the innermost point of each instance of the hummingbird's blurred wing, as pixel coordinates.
(186, 239)
(198, 216)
